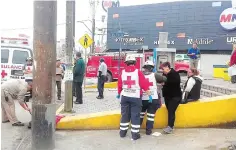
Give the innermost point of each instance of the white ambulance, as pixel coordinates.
(14, 52)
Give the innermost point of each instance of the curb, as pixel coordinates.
(212, 112)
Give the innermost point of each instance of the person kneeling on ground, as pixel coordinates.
(192, 88)
(131, 82)
(151, 107)
(13, 89)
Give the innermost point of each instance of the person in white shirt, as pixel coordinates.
(192, 88)
(102, 73)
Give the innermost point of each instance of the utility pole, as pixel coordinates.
(44, 44)
(93, 24)
(70, 32)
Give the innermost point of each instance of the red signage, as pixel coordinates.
(109, 4)
(13, 67)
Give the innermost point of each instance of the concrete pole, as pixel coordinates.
(70, 29)
(44, 44)
(93, 26)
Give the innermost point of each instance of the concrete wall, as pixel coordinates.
(197, 19)
(208, 60)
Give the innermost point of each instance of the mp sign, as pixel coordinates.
(109, 4)
(228, 19)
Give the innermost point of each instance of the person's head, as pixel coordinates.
(194, 45)
(29, 60)
(78, 55)
(166, 67)
(148, 66)
(58, 63)
(101, 60)
(30, 86)
(130, 60)
(193, 72)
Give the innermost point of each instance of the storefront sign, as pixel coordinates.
(231, 39)
(130, 40)
(202, 41)
(168, 42)
(109, 4)
(228, 19)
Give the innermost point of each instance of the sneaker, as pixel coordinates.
(136, 137)
(168, 130)
(148, 131)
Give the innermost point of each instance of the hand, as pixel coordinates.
(163, 83)
(118, 96)
(28, 109)
(150, 98)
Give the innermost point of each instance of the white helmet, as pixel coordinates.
(149, 63)
(130, 58)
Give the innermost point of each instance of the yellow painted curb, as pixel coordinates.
(107, 85)
(207, 113)
(59, 110)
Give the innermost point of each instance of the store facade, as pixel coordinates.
(211, 24)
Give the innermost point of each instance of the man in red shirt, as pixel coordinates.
(130, 85)
(232, 63)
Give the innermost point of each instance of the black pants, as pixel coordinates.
(58, 83)
(151, 109)
(171, 105)
(233, 79)
(101, 81)
(79, 94)
(73, 89)
(130, 110)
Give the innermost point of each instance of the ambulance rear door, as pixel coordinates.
(13, 60)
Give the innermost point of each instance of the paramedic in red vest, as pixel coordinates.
(131, 82)
(28, 73)
(153, 79)
(233, 63)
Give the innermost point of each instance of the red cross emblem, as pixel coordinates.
(28, 68)
(129, 82)
(3, 73)
(149, 83)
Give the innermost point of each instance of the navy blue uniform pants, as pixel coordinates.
(101, 81)
(150, 109)
(130, 111)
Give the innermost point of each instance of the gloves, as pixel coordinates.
(118, 96)
(150, 98)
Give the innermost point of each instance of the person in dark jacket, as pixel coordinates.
(73, 84)
(79, 77)
(172, 94)
(192, 88)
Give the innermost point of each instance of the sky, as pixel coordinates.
(17, 14)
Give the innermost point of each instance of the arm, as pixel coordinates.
(119, 84)
(190, 84)
(143, 81)
(160, 78)
(189, 53)
(20, 98)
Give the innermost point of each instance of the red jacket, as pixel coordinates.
(142, 81)
(233, 58)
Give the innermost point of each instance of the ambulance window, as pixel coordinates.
(4, 55)
(19, 57)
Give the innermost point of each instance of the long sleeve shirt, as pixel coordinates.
(142, 81)
(15, 89)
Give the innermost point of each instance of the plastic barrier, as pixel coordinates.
(218, 71)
